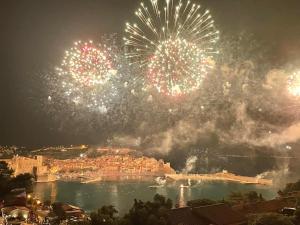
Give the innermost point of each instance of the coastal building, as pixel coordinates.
(114, 162)
(15, 215)
(68, 212)
(110, 165)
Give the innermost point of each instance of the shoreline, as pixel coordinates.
(152, 180)
(224, 176)
(119, 177)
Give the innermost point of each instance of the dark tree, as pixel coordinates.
(5, 171)
(22, 181)
(271, 219)
(149, 213)
(201, 202)
(8, 182)
(290, 187)
(247, 197)
(58, 210)
(296, 217)
(5, 174)
(104, 216)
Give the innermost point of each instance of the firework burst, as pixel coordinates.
(174, 42)
(86, 74)
(88, 64)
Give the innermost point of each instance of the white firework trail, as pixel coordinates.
(175, 43)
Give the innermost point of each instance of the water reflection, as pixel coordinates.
(114, 195)
(53, 194)
(182, 201)
(92, 196)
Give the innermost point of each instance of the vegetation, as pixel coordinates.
(142, 213)
(8, 182)
(104, 216)
(234, 198)
(296, 218)
(247, 197)
(58, 210)
(148, 213)
(270, 219)
(274, 219)
(290, 187)
(203, 202)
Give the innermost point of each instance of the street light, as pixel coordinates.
(29, 200)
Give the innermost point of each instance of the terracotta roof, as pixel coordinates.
(70, 208)
(184, 216)
(219, 214)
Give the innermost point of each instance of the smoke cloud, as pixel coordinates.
(190, 164)
(242, 107)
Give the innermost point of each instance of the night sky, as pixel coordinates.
(34, 36)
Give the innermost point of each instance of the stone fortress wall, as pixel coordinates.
(35, 166)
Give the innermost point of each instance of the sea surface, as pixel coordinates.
(121, 194)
